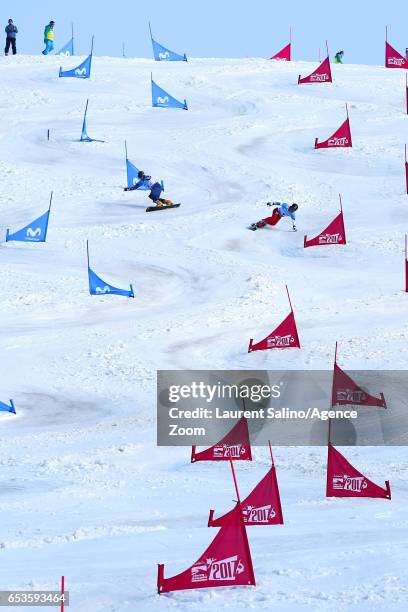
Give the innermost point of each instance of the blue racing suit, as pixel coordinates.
(156, 188)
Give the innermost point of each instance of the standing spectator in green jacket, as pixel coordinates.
(338, 58)
(49, 38)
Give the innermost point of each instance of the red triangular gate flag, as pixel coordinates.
(322, 74)
(226, 562)
(345, 392)
(261, 507)
(393, 59)
(234, 445)
(340, 138)
(343, 480)
(284, 336)
(284, 55)
(334, 233)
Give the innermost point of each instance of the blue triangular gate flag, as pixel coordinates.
(162, 54)
(132, 175)
(97, 286)
(68, 49)
(36, 231)
(7, 408)
(84, 133)
(162, 99)
(83, 71)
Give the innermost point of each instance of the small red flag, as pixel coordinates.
(322, 74)
(283, 337)
(261, 507)
(334, 233)
(343, 480)
(393, 59)
(235, 445)
(346, 392)
(226, 562)
(284, 55)
(340, 139)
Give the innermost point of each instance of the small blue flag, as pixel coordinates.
(7, 408)
(83, 71)
(162, 99)
(67, 49)
(132, 175)
(162, 54)
(36, 231)
(97, 286)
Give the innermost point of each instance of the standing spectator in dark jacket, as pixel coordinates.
(11, 31)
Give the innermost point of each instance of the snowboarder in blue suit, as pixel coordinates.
(282, 210)
(156, 189)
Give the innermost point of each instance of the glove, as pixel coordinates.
(294, 228)
(272, 203)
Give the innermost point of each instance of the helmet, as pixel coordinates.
(140, 174)
(293, 206)
(52, 22)
(10, 21)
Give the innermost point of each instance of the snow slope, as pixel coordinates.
(84, 490)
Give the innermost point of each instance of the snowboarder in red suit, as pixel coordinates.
(281, 210)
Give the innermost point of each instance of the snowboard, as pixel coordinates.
(152, 208)
(255, 226)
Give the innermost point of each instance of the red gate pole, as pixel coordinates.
(290, 302)
(62, 593)
(406, 168)
(270, 450)
(406, 86)
(235, 481)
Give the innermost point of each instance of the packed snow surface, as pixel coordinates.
(84, 491)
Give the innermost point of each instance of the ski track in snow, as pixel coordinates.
(85, 492)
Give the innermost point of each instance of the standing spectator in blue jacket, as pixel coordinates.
(11, 31)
